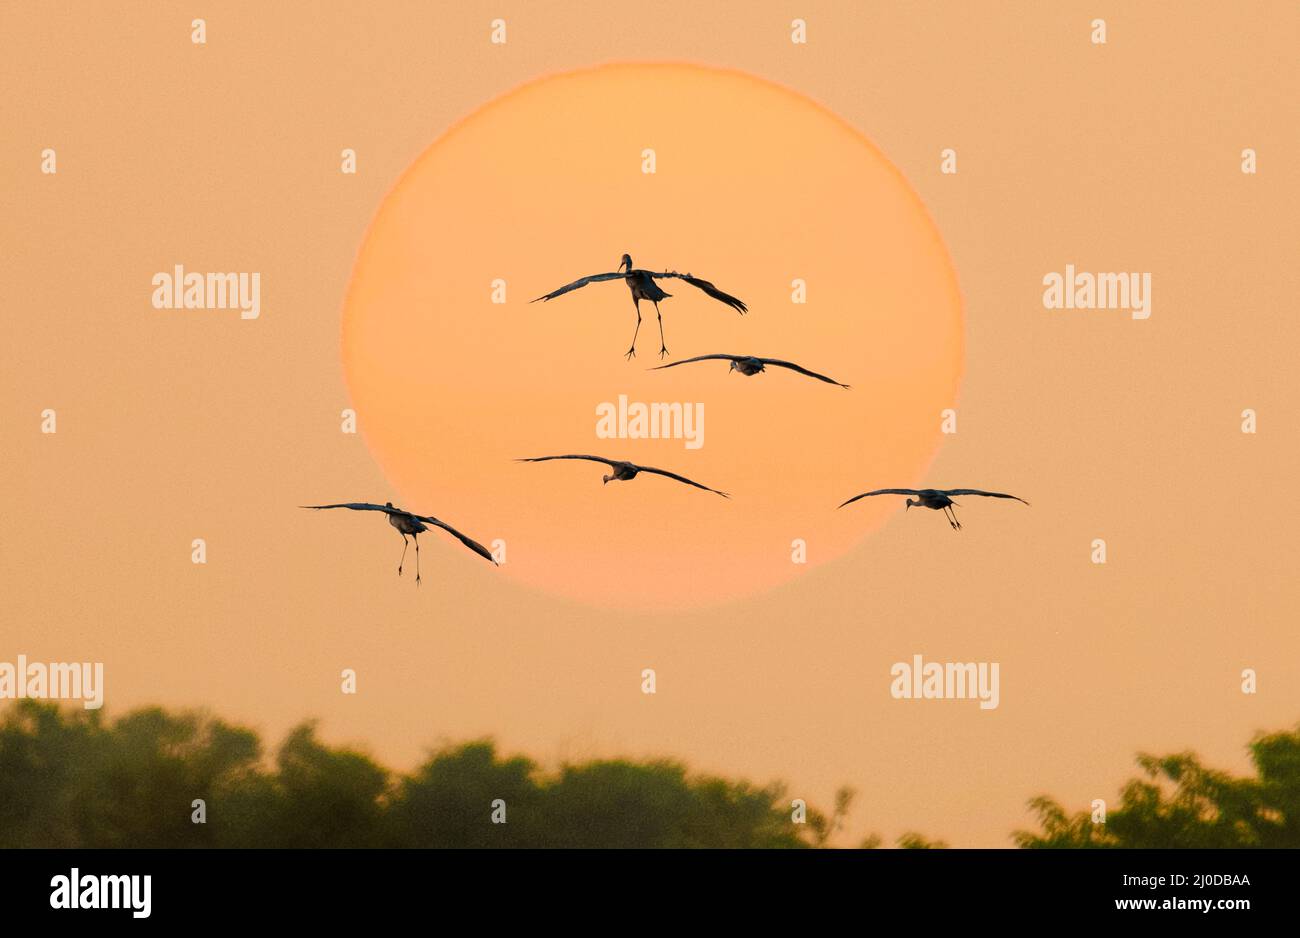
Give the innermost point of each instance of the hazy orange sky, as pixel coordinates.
(183, 424)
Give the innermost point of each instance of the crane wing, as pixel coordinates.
(594, 278)
(799, 368)
(359, 506)
(697, 358)
(951, 492)
(469, 542)
(673, 475)
(608, 462)
(881, 492)
(707, 287)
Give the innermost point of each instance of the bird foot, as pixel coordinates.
(663, 351)
(417, 579)
(631, 354)
(399, 571)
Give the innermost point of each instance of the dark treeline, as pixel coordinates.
(1178, 802)
(71, 778)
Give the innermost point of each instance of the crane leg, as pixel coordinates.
(631, 353)
(416, 537)
(663, 349)
(405, 544)
(952, 518)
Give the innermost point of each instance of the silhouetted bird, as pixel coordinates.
(936, 499)
(751, 365)
(414, 525)
(626, 471)
(643, 287)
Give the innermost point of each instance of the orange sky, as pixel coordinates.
(179, 424)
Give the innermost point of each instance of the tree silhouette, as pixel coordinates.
(71, 778)
(75, 781)
(447, 801)
(914, 841)
(1178, 802)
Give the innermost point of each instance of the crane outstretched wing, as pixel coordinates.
(698, 358)
(673, 475)
(359, 506)
(881, 492)
(951, 492)
(802, 370)
(608, 462)
(469, 542)
(710, 289)
(594, 278)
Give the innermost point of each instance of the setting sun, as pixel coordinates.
(754, 188)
